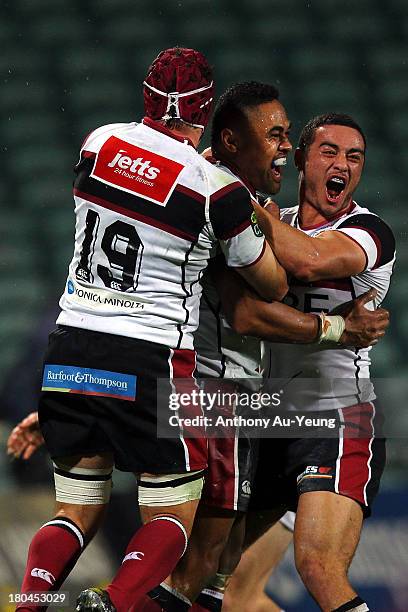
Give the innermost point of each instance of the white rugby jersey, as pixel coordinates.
(149, 214)
(287, 361)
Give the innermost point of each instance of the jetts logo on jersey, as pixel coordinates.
(87, 381)
(136, 170)
(315, 471)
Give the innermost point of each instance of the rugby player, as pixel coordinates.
(334, 249)
(249, 133)
(149, 212)
(264, 111)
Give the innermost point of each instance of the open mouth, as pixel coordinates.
(334, 188)
(277, 167)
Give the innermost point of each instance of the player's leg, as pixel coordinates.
(327, 532)
(245, 592)
(209, 538)
(336, 490)
(223, 494)
(83, 486)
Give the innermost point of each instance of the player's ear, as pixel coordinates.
(229, 140)
(299, 159)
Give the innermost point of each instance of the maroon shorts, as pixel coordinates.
(350, 464)
(231, 462)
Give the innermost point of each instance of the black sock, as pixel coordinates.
(170, 599)
(355, 605)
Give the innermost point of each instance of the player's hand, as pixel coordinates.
(272, 208)
(25, 438)
(363, 327)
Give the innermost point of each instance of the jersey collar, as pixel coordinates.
(326, 221)
(155, 125)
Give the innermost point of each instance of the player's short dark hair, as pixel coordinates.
(231, 106)
(308, 133)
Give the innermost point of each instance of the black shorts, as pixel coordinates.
(99, 394)
(347, 465)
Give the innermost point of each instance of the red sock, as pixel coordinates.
(53, 552)
(150, 557)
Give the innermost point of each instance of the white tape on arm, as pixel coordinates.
(332, 328)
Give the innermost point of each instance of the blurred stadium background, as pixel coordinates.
(68, 66)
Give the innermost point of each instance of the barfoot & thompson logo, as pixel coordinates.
(88, 381)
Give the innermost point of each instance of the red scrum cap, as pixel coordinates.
(179, 85)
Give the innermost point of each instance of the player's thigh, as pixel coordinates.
(327, 525)
(83, 486)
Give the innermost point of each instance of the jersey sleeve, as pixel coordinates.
(234, 224)
(373, 236)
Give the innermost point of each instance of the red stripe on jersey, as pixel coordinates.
(354, 464)
(183, 363)
(134, 215)
(190, 193)
(225, 190)
(374, 236)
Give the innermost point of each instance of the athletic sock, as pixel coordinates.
(355, 605)
(150, 557)
(170, 599)
(52, 554)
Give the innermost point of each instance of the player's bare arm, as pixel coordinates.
(266, 276)
(276, 322)
(329, 255)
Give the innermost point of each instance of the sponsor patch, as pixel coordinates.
(255, 227)
(102, 299)
(314, 471)
(87, 381)
(136, 170)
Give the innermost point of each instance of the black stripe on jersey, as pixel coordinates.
(186, 292)
(231, 212)
(183, 212)
(379, 231)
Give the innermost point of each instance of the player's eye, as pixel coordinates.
(356, 158)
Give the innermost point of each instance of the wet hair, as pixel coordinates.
(231, 106)
(309, 131)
